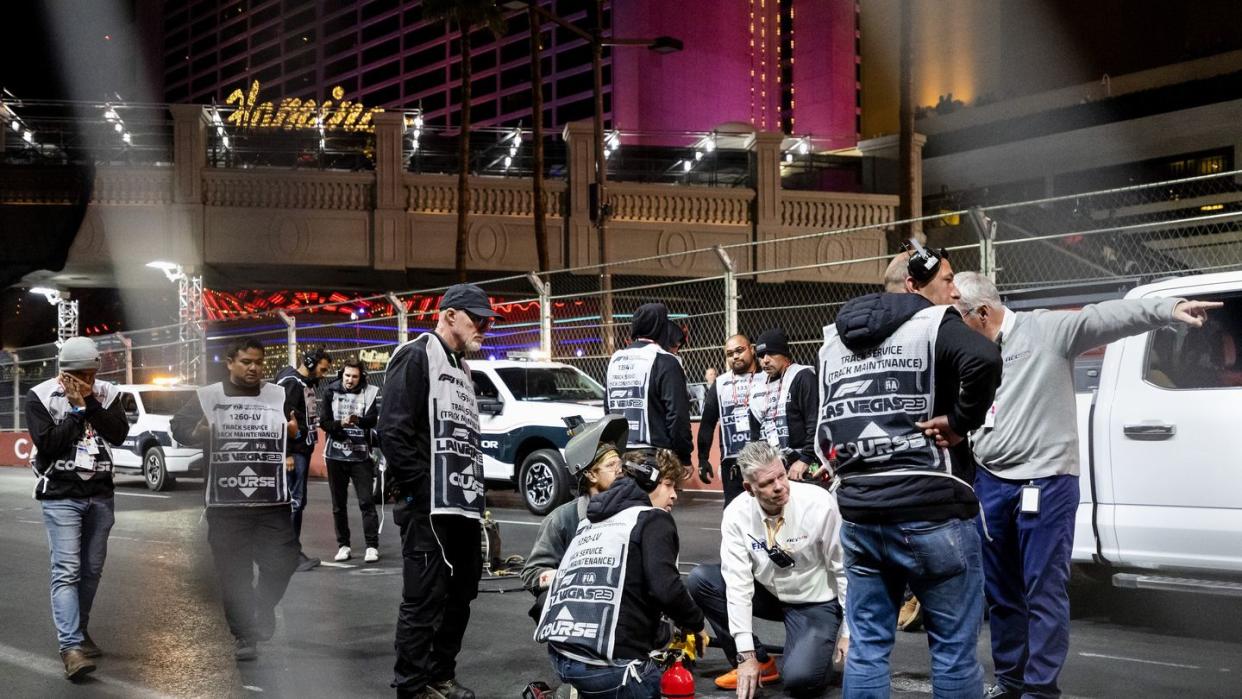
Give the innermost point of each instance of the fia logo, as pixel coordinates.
(892, 385)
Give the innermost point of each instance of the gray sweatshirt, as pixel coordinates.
(555, 534)
(1033, 431)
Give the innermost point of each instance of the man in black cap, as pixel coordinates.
(429, 424)
(784, 411)
(647, 384)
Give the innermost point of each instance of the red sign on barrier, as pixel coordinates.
(15, 448)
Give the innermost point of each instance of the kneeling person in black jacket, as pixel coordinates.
(602, 618)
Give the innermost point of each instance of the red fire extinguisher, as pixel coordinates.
(677, 682)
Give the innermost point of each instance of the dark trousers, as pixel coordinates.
(810, 629)
(440, 579)
(240, 539)
(1026, 570)
(297, 491)
(731, 479)
(362, 473)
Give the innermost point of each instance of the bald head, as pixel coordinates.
(896, 273)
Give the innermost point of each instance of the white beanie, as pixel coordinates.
(78, 353)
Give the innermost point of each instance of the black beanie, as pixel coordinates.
(649, 321)
(772, 341)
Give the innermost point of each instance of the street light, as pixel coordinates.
(172, 270)
(597, 40)
(66, 312)
(192, 346)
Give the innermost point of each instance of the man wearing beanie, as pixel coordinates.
(647, 384)
(72, 420)
(784, 411)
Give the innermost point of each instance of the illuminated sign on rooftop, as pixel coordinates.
(295, 113)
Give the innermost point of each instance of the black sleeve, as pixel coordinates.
(660, 547)
(707, 424)
(978, 363)
(403, 415)
(804, 393)
(369, 420)
(50, 438)
(327, 421)
(184, 422)
(675, 396)
(109, 422)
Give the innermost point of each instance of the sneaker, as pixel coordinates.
(77, 665)
(305, 563)
(244, 649)
(767, 675)
(1000, 691)
(449, 689)
(910, 616)
(372, 554)
(89, 649)
(343, 554)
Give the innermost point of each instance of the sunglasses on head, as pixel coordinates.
(480, 322)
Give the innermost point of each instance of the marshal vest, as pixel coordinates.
(357, 443)
(580, 614)
(246, 466)
(871, 400)
(629, 382)
(90, 458)
(771, 407)
(311, 400)
(734, 394)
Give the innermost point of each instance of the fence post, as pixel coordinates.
(292, 340)
(403, 318)
(985, 228)
(17, 391)
(128, 344)
(730, 292)
(544, 289)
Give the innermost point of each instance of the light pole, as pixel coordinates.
(192, 347)
(66, 312)
(597, 40)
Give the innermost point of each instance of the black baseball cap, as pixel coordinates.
(469, 298)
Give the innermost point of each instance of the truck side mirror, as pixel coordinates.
(491, 406)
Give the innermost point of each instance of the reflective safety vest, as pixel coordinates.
(771, 407)
(870, 401)
(584, 602)
(734, 395)
(90, 457)
(356, 446)
(246, 465)
(311, 399)
(629, 381)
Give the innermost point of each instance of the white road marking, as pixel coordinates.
(142, 495)
(1140, 660)
(44, 665)
(334, 564)
(252, 688)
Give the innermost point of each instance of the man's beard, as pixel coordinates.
(474, 345)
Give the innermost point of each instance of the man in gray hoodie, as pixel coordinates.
(1028, 486)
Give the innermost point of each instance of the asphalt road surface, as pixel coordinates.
(158, 619)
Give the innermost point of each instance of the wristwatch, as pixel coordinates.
(744, 656)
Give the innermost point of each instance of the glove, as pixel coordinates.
(705, 472)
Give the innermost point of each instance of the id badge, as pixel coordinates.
(989, 420)
(774, 440)
(1030, 499)
(84, 459)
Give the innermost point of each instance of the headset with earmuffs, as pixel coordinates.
(924, 263)
(645, 472)
(311, 358)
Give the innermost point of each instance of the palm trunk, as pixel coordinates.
(463, 157)
(536, 78)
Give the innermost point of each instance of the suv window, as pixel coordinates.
(130, 405)
(163, 402)
(1188, 358)
(550, 384)
(483, 386)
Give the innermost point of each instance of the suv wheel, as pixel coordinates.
(155, 470)
(543, 481)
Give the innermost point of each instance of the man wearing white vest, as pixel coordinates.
(647, 384)
(350, 410)
(429, 424)
(72, 420)
(728, 404)
(242, 426)
(786, 406)
(1028, 486)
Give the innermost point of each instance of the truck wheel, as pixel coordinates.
(543, 481)
(155, 470)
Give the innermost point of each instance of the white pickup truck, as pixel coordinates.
(1161, 504)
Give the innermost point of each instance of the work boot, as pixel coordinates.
(910, 616)
(306, 563)
(449, 689)
(768, 674)
(89, 649)
(245, 650)
(77, 665)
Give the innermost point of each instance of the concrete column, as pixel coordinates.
(186, 244)
(766, 175)
(389, 231)
(582, 246)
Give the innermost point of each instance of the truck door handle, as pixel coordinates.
(1149, 431)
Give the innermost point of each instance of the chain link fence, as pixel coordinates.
(1122, 236)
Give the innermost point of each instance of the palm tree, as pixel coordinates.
(465, 15)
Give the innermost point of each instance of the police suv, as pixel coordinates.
(150, 449)
(525, 410)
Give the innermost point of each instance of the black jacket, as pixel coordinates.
(668, 405)
(295, 401)
(653, 585)
(711, 419)
(802, 415)
(968, 370)
(57, 441)
(328, 422)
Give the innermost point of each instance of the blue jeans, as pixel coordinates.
(1027, 567)
(297, 491)
(941, 562)
(77, 534)
(608, 681)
